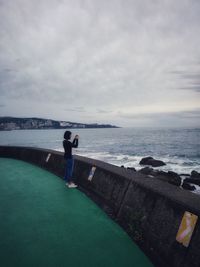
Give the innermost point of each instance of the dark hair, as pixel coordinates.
(67, 135)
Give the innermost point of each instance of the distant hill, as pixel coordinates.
(12, 123)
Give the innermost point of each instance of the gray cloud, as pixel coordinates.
(192, 81)
(193, 76)
(168, 119)
(65, 58)
(180, 114)
(190, 87)
(76, 109)
(103, 111)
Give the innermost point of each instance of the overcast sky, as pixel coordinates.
(123, 62)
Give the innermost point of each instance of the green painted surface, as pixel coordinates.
(42, 223)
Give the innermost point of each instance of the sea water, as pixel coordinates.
(178, 148)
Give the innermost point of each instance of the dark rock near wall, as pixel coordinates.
(147, 171)
(169, 177)
(132, 169)
(173, 178)
(170, 180)
(188, 186)
(193, 181)
(173, 174)
(195, 175)
(152, 162)
(129, 168)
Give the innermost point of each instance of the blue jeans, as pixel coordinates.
(69, 170)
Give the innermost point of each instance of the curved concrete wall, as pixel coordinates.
(148, 209)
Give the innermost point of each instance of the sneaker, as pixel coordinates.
(72, 185)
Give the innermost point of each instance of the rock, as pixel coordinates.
(147, 171)
(188, 186)
(144, 161)
(158, 172)
(132, 169)
(173, 174)
(193, 181)
(170, 177)
(157, 163)
(195, 175)
(194, 178)
(129, 168)
(152, 162)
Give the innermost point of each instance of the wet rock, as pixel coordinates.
(147, 171)
(193, 181)
(144, 161)
(132, 169)
(128, 168)
(188, 186)
(195, 175)
(194, 178)
(170, 177)
(173, 174)
(152, 162)
(157, 173)
(157, 163)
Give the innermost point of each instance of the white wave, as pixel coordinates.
(197, 191)
(59, 149)
(172, 164)
(176, 164)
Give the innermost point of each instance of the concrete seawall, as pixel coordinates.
(148, 209)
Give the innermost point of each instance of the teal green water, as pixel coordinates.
(43, 223)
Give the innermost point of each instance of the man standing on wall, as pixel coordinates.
(68, 145)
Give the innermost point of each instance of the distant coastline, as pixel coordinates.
(13, 123)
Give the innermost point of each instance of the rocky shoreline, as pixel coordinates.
(185, 181)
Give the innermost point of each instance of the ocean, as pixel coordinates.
(178, 148)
